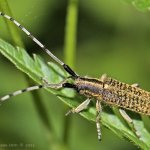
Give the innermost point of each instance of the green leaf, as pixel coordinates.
(36, 68)
(140, 4)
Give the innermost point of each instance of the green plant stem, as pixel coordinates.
(70, 51)
(70, 33)
(13, 31)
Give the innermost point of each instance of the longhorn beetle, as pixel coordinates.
(105, 89)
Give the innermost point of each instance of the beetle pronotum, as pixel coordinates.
(104, 89)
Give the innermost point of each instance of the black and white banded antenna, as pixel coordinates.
(45, 85)
(32, 88)
(65, 66)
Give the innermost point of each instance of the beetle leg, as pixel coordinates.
(129, 121)
(98, 118)
(80, 107)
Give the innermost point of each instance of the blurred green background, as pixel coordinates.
(112, 37)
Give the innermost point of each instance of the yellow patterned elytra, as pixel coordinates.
(116, 93)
